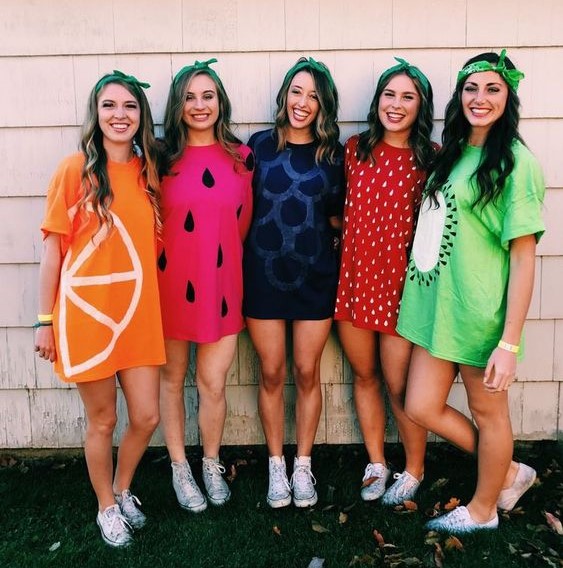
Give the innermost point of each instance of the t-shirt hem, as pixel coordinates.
(441, 354)
(87, 379)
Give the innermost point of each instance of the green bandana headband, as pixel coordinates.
(198, 66)
(410, 70)
(310, 64)
(511, 76)
(119, 75)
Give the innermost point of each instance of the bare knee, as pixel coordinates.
(418, 413)
(272, 377)
(145, 421)
(307, 377)
(103, 424)
(211, 391)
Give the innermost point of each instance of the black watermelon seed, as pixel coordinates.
(162, 261)
(189, 222)
(224, 308)
(207, 179)
(190, 292)
(220, 257)
(239, 210)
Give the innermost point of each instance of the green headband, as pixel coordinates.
(310, 64)
(410, 70)
(511, 76)
(198, 66)
(119, 76)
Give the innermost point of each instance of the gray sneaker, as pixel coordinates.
(303, 483)
(115, 529)
(188, 493)
(129, 506)
(374, 480)
(279, 492)
(217, 489)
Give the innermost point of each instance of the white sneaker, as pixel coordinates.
(459, 521)
(188, 493)
(525, 477)
(404, 489)
(217, 489)
(115, 529)
(279, 492)
(129, 506)
(375, 478)
(303, 483)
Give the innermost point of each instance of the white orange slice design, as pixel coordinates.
(68, 295)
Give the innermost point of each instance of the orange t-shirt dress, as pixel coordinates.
(107, 312)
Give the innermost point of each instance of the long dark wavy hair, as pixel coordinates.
(419, 137)
(95, 178)
(497, 161)
(176, 130)
(325, 129)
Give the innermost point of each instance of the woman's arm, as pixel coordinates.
(501, 368)
(49, 277)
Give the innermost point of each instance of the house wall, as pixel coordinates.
(51, 53)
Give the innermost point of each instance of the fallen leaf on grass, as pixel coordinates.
(367, 482)
(410, 505)
(434, 511)
(348, 508)
(452, 504)
(342, 518)
(438, 555)
(432, 537)
(439, 483)
(316, 562)
(276, 530)
(233, 473)
(378, 538)
(453, 543)
(363, 560)
(553, 523)
(54, 546)
(60, 465)
(239, 462)
(328, 507)
(512, 549)
(317, 527)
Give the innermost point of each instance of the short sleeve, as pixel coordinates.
(62, 195)
(523, 198)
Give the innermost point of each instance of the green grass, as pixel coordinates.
(46, 500)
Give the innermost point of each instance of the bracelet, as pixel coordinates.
(42, 324)
(508, 346)
(45, 318)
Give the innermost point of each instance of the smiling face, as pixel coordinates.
(398, 108)
(483, 100)
(302, 107)
(119, 116)
(201, 106)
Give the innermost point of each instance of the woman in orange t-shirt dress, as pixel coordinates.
(99, 313)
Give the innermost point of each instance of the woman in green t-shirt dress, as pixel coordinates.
(469, 283)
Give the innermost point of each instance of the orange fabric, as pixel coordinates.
(107, 312)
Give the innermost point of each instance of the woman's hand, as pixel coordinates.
(45, 343)
(500, 372)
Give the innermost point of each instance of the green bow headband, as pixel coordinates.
(310, 64)
(410, 70)
(119, 75)
(511, 76)
(198, 66)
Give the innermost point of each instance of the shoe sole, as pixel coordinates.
(218, 502)
(528, 485)
(111, 542)
(278, 503)
(197, 509)
(302, 503)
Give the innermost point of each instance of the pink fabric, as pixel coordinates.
(207, 208)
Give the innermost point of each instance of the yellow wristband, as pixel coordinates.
(508, 346)
(44, 318)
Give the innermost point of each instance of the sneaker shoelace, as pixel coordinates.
(374, 470)
(113, 517)
(406, 483)
(302, 475)
(216, 471)
(187, 483)
(279, 476)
